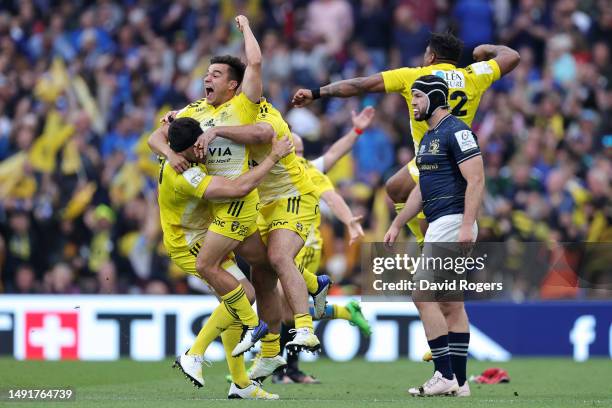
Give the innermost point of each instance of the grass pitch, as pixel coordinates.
(534, 383)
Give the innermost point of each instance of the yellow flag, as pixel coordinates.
(53, 83)
(44, 150)
(126, 184)
(79, 201)
(88, 103)
(71, 158)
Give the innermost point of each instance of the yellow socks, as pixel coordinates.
(413, 224)
(270, 345)
(230, 338)
(311, 281)
(341, 312)
(239, 303)
(303, 320)
(221, 318)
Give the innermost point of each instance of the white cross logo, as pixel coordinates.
(52, 337)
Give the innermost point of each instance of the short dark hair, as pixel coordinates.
(183, 133)
(446, 46)
(236, 66)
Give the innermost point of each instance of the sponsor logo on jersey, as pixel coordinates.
(240, 229)
(481, 68)
(277, 223)
(217, 161)
(434, 146)
(194, 176)
(219, 151)
(427, 166)
(218, 222)
(465, 139)
(454, 79)
(207, 124)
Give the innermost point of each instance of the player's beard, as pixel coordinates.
(419, 115)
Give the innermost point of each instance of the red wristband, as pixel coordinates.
(357, 130)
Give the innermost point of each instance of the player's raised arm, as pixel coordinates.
(158, 143)
(341, 89)
(221, 187)
(343, 145)
(342, 211)
(414, 204)
(506, 57)
(252, 85)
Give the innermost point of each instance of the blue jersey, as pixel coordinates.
(440, 152)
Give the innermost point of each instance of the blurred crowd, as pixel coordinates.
(83, 83)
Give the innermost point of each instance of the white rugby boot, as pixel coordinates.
(464, 390)
(436, 385)
(191, 366)
(304, 339)
(251, 391)
(263, 367)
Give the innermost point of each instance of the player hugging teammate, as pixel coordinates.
(235, 128)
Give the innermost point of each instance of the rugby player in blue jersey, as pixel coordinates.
(449, 192)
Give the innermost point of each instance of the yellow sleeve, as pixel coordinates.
(320, 180)
(268, 114)
(484, 73)
(248, 109)
(397, 80)
(325, 184)
(193, 182)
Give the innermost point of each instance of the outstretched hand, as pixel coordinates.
(364, 119)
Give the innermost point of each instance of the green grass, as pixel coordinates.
(534, 383)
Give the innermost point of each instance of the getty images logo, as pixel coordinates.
(582, 335)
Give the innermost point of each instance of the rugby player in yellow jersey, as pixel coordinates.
(279, 185)
(234, 226)
(289, 207)
(184, 203)
(308, 261)
(310, 256)
(466, 87)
